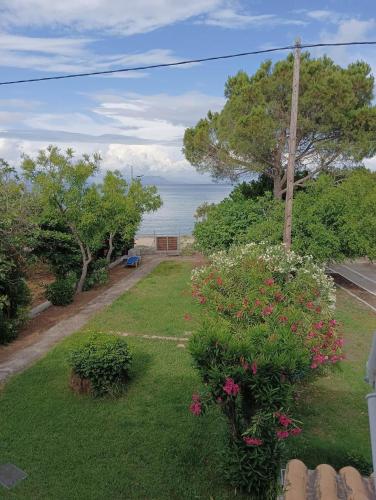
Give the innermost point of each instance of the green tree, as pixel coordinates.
(123, 205)
(65, 193)
(336, 122)
(17, 234)
(334, 219)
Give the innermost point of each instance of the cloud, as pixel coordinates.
(229, 18)
(68, 55)
(348, 30)
(120, 16)
(321, 15)
(128, 118)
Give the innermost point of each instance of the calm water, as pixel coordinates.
(179, 205)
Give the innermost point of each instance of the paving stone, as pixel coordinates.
(10, 475)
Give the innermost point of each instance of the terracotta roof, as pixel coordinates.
(324, 483)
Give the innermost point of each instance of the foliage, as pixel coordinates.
(56, 246)
(98, 274)
(123, 205)
(268, 328)
(336, 122)
(333, 219)
(14, 299)
(61, 291)
(228, 222)
(17, 233)
(104, 360)
(66, 195)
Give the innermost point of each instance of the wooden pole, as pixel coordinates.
(292, 148)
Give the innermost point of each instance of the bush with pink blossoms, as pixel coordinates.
(267, 327)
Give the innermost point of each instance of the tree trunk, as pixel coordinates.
(85, 265)
(110, 248)
(277, 187)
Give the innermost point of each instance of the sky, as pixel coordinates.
(139, 118)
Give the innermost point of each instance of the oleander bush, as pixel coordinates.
(103, 361)
(267, 329)
(61, 292)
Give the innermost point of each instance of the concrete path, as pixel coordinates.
(28, 355)
(362, 274)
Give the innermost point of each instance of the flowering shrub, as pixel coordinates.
(268, 326)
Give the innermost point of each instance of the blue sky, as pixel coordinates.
(139, 118)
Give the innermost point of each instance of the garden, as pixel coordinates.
(144, 442)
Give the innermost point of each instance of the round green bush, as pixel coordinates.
(105, 361)
(61, 292)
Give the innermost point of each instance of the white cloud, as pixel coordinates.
(321, 15)
(73, 55)
(348, 30)
(143, 130)
(125, 17)
(229, 18)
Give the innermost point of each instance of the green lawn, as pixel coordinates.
(146, 445)
(156, 305)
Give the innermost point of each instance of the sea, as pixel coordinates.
(180, 201)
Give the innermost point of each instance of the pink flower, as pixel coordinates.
(311, 335)
(202, 299)
(296, 431)
(283, 319)
(254, 367)
(219, 399)
(262, 291)
(284, 420)
(251, 441)
(318, 325)
(267, 311)
(278, 296)
(269, 281)
(282, 434)
(294, 327)
(239, 314)
(187, 317)
(332, 322)
(310, 305)
(219, 281)
(257, 302)
(318, 309)
(230, 387)
(195, 408)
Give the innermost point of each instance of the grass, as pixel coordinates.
(146, 445)
(334, 411)
(156, 305)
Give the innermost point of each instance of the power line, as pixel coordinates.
(181, 63)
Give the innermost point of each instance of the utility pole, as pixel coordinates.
(292, 148)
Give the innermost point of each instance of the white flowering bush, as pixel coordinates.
(267, 326)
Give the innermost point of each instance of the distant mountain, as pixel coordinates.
(154, 179)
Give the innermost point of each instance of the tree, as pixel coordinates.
(334, 219)
(123, 205)
(17, 233)
(336, 122)
(63, 188)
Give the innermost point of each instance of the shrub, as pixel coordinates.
(14, 299)
(61, 292)
(104, 360)
(268, 327)
(98, 275)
